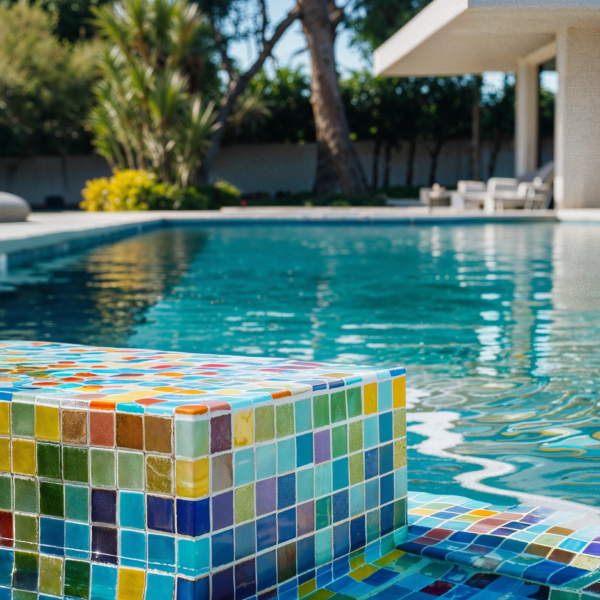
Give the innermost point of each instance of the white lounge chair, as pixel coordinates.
(532, 190)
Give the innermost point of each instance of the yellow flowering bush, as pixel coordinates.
(126, 190)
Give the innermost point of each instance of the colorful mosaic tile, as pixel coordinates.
(141, 474)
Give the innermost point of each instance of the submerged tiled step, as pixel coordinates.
(137, 474)
(524, 542)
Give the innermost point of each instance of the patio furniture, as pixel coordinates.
(531, 190)
(434, 196)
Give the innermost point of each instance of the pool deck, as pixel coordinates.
(54, 233)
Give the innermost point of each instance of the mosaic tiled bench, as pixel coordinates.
(135, 474)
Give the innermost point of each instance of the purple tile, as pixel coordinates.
(322, 447)
(220, 434)
(306, 518)
(266, 495)
(222, 511)
(592, 549)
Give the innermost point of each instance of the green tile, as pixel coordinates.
(357, 468)
(26, 532)
(5, 493)
(52, 501)
(354, 402)
(21, 595)
(323, 512)
(103, 467)
(339, 441)
(77, 503)
(130, 470)
(285, 420)
(25, 573)
(264, 423)
(244, 503)
(321, 410)
(303, 415)
(48, 460)
(191, 438)
(399, 423)
(22, 416)
(338, 407)
(372, 526)
(26, 495)
(355, 436)
(77, 579)
(75, 464)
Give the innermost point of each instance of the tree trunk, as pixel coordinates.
(494, 155)
(435, 154)
(475, 132)
(375, 166)
(410, 163)
(326, 179)
(388, 165)
(330, 117)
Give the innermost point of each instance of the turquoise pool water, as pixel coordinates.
(497, 324)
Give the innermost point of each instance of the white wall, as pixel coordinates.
(252, 167)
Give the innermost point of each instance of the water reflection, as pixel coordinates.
(498, 325)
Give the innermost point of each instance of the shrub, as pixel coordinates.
(125, 190)
(132, 189)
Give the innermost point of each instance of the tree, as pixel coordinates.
(146, 114)
(286, 94)
(71, 19)
(319, 21)
(445, 114)
(45, 85)
(227, 19)
(498, 120)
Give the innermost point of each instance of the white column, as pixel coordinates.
(577, 129)
(527, 107)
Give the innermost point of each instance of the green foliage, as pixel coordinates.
(132, 189)
(45, 85)
(372, 22)
(290, 119)
(71, 18)
(146, 114)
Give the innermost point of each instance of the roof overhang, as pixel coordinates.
(453, 37)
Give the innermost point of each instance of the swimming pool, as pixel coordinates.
(498, 325)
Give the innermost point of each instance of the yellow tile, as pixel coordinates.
(243, 433)
(51, 575)
(399, 392)
(321, 594)
(23, 457)
(400, 454)
(483, 513)
(589, 563)
(357, 561)
(5, 418)
(384, 561)
(423, 512)
(131, 584)
(370, 393)
(5, 454)
(307, 588)
(363, 572)
(47, 423)
(192, 478)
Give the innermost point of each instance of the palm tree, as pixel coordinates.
(146, 116)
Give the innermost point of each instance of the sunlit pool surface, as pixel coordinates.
(498, 326)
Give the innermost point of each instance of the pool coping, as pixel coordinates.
(50, 234)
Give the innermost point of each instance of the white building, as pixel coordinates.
(453, 37)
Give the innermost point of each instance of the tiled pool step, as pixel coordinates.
(523, 542)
